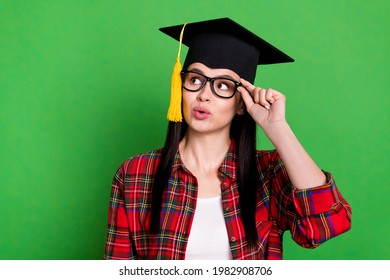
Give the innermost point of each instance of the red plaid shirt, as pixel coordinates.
(312, 215)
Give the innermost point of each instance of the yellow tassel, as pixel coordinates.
(174, 110)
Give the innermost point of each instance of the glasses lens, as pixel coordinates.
(224, 87)
(193, 81)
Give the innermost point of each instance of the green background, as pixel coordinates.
(85, 84)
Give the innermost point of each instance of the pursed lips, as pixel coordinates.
(200, 112)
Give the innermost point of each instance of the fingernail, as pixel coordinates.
(267, 107)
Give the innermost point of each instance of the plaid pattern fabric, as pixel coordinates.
(313, 215)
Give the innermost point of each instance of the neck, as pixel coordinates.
(204, 152)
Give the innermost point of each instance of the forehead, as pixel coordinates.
(213, 72)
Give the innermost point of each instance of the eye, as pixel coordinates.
(195, 81)
(224, 85)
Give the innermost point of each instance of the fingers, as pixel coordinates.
(247, 99)
(264, 97)
(270, 95)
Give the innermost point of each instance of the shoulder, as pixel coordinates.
(268, 160)
(267, 156)
(142, 163)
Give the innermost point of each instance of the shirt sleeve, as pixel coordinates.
(118, 242)
(312, 215)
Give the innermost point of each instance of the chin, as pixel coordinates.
(208, 128)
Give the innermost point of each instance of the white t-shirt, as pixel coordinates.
(208, 238)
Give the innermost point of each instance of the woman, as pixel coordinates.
(208, 193)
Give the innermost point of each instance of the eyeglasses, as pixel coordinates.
(221, 87)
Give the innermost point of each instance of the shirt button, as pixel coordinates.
(233, 239)
(227, 209)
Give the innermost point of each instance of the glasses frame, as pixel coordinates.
(211, 80)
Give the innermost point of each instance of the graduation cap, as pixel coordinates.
(219, 43)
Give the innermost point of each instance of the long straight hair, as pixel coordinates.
(243, 131)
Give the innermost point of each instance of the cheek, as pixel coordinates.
(235, 104)
(186, 104)
(229, 109)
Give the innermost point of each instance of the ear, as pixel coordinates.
(241, 107)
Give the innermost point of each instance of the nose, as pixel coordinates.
(205, 92)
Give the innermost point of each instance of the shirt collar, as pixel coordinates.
(230, 163)
(228, 167)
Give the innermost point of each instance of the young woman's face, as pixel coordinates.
(203, 110)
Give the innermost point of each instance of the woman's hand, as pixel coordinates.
(266, 106)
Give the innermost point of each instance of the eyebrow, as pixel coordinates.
(220, 76)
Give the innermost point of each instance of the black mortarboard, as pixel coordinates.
(219, 43)
(223, 43)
